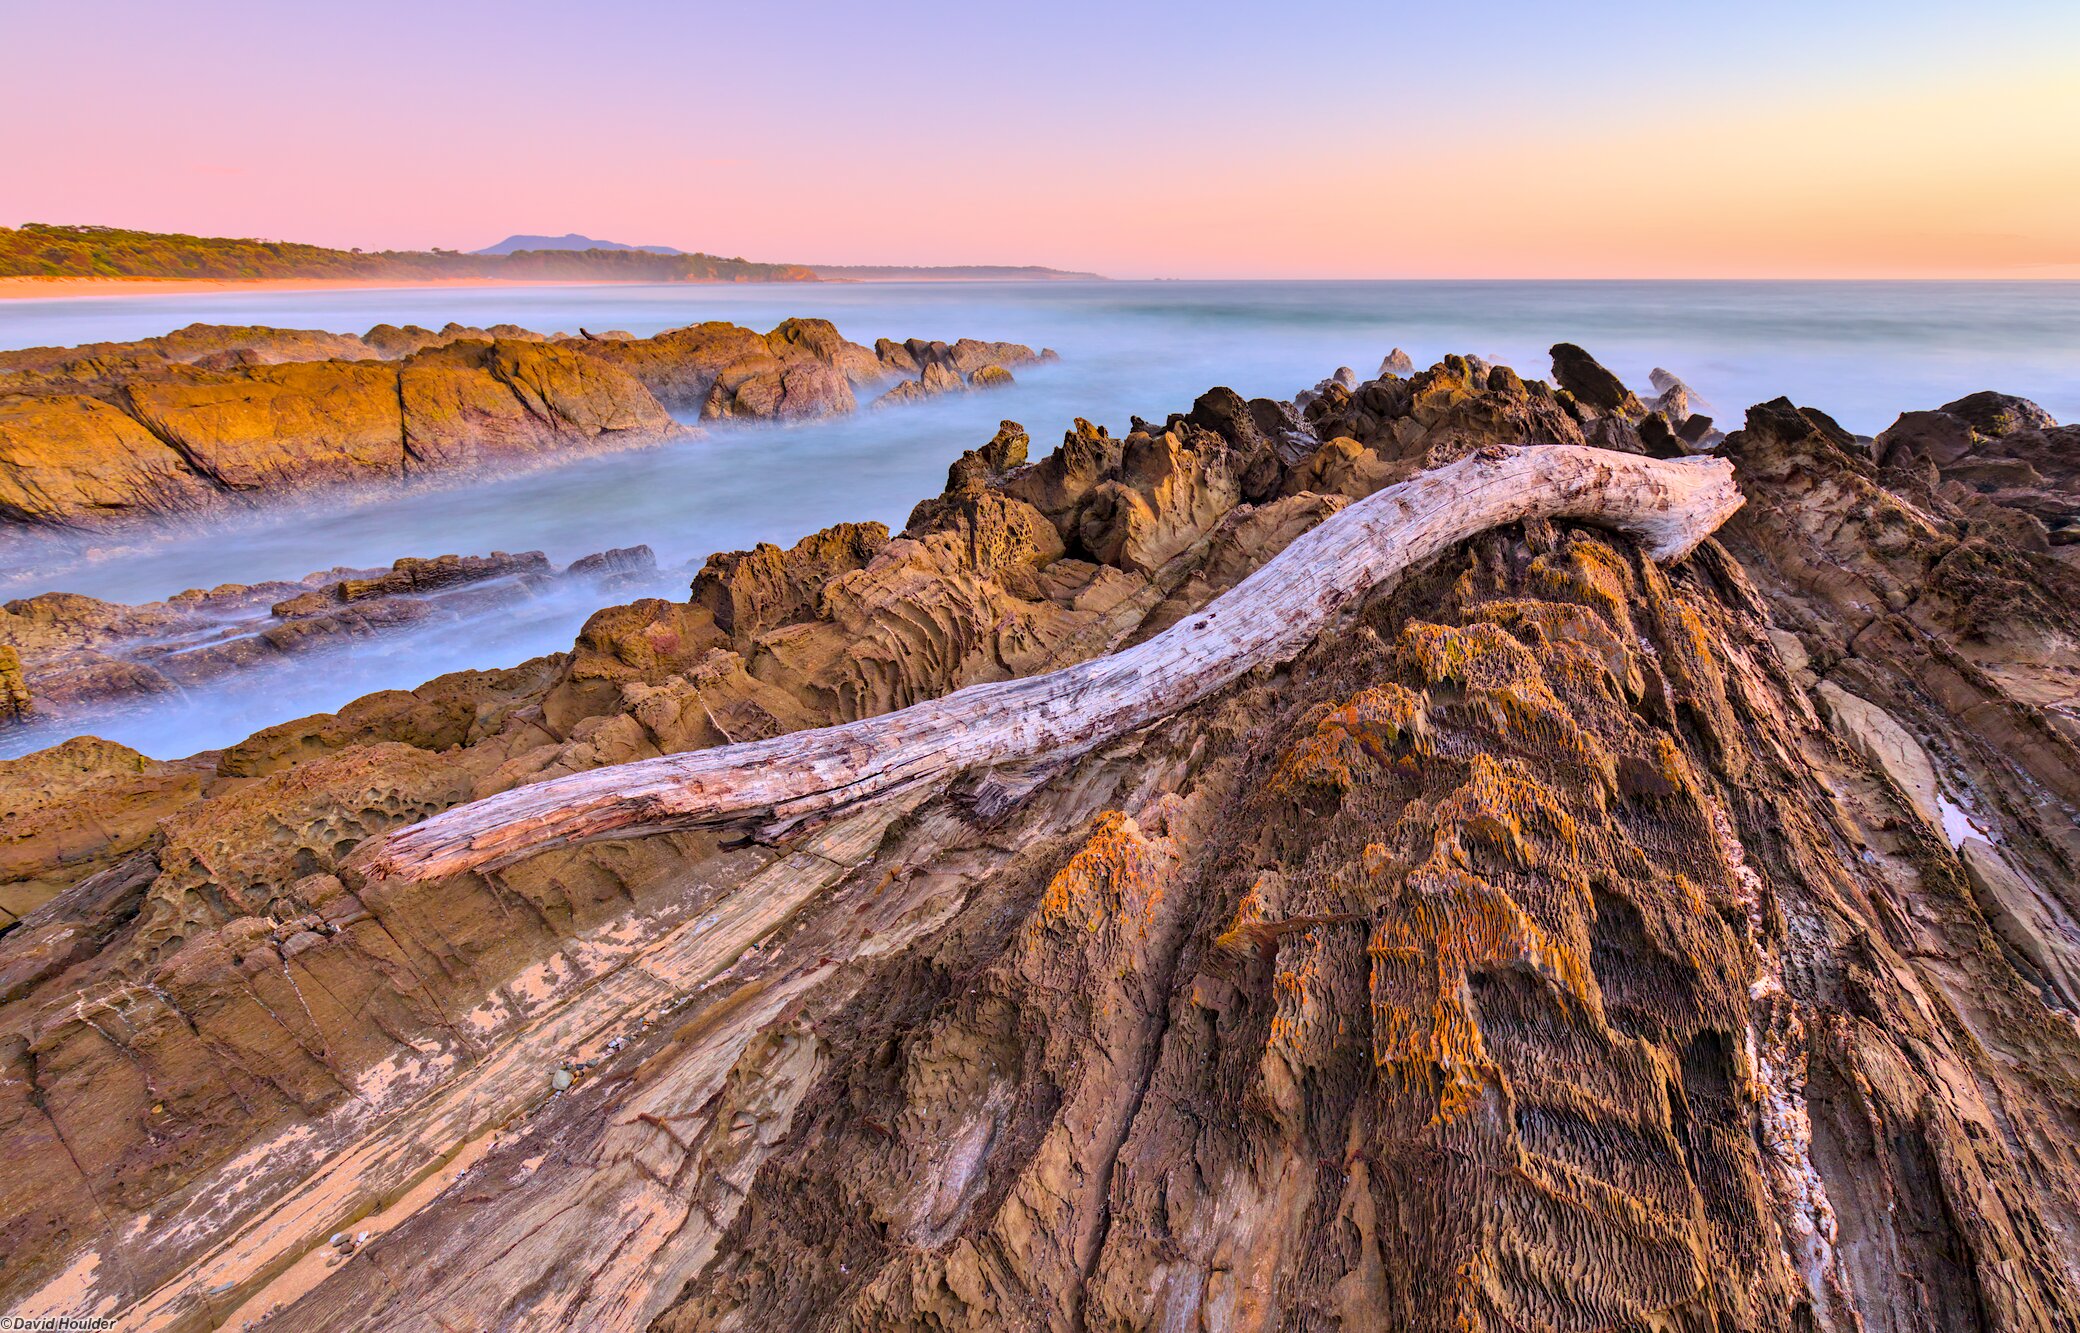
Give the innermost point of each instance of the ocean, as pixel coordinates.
(1861, 351)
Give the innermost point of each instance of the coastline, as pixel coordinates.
(72, 289)
(65, 289)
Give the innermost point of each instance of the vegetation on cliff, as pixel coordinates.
(43, 250)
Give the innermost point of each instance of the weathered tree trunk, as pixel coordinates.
(1670, 505)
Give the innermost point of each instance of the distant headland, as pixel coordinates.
(41, 259)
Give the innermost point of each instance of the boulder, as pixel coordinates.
(1935, 437)
(1998, 414)
(1584, 377)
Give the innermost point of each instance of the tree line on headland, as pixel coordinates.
(44, 250)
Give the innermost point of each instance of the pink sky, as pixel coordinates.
(1515, 140)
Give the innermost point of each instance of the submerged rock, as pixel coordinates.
(76, 656)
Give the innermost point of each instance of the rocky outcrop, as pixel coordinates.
(1581, 375)
(721, 370)
(211, 417)
(2000, 458)
(76, 809)
(78, 656)
(950, 370)
(181, 440)
(1543, 946)
(220, 347)
(1998, 414)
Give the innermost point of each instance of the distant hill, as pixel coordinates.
(43, 250)
(953, 273)
(568, 241)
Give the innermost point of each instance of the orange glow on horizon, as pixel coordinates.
(1921, 146)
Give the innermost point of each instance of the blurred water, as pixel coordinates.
(1862, 351)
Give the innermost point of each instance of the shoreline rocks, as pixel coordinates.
(209, 418)
(72, 656)
(1545, 865)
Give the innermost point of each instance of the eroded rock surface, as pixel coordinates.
(75, 656)
(214, 416)
(1531, 952)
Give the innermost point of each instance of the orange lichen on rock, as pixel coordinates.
(1447, 919)
(1116, 878)
(1503, 682)
(1591, 573)
(1481, 656)
(1377, 725)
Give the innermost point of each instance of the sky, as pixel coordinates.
(1192, 140)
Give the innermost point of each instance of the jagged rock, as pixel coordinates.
(616, 567)
(1397, 362)
(2024, 481)
(895, 358)
(1581, 375)
(1673, 404)
(1696, 431)
(411, 575)
(1006, 449)
(975, 469)
(819, 339)
(1937, 437)
(1675, 399)
(1293, 1007)
(938, 377)
(750, 592)
(1657, 440)
(472, 402)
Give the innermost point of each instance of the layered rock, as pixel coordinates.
(212, 416)
(75, 656)
(1560, 941)
(1997, 456)
(76, 809)
(941, 368)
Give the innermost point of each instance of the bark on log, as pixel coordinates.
(1670, 505)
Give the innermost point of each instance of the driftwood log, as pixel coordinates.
(1670, 505)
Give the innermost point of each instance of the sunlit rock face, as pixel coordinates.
(215, 417)
(1559, 941)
